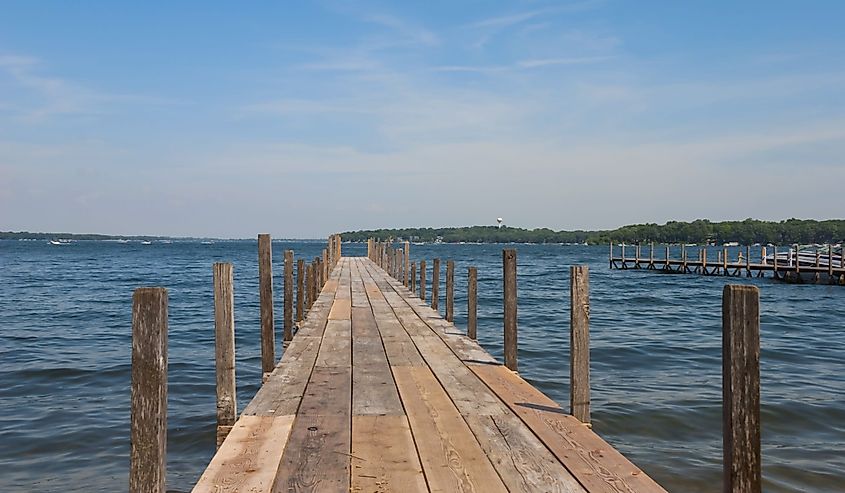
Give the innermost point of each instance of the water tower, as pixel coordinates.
(499, 220)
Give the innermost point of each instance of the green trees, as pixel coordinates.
(746, 232)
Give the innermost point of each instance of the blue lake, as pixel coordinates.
(65, 341)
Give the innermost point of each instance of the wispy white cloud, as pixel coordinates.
(45, 97)
(534, 63)
(508, 20)
(407, 31)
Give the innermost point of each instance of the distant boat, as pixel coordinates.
(60, 242)
(145, 242)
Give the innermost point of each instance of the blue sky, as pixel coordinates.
(301, 119)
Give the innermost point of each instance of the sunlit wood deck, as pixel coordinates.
(377, 392)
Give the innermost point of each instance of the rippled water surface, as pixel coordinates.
(65, 334)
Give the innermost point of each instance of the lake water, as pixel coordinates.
(65, 340)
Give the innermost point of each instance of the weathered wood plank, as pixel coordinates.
(522, 461)
(317, 455)
(249, 458)
(597, 465)
(374, 392)
(450, 455)
(384, 457)
(336, 348)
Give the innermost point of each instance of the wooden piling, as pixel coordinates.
(435, 285)
(472, 303)
(579, 342)
(422, 280)
(300, 289)
(309, 286)
(741, 389)
(651, 256)
(450, 290)
(287, 333)
(324, 264)
(829, 263)
(265, 290)
(148, 413)
(413, 277)
(407, 262)
(510, 303)
(224, 349)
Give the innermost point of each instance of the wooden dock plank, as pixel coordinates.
(249, 457)
(317, 455)
(596, 464)
(450, 455)
(384, 456)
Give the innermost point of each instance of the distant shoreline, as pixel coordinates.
(701, 231)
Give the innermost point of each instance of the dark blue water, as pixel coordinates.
(65, 320)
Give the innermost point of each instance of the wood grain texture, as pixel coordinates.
(450, 290)
(450, 455)
(249, 458)
(341, 310)
(435, 284)
(287, 328)
(592, 461)
(472, 303)
(265, 292)
(317, 455)
(384, 457)
(422, 280)
(579, 342)
(224, 347)
(300, 289)
(522, 461)
(510, 301)
(741, 389)
(148, 412)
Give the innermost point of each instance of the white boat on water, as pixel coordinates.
(60, 241)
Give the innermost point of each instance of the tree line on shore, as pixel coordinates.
(700, 231)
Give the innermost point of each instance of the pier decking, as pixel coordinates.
(377, 392)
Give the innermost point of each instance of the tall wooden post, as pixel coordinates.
(414, 277)
(339, 250)
(450, 290)
(309, 285)
(610, 255)
(288, 322)
(326, 267)
(422, 280)
(224, 350)
(509, 299)
(747, 261)
(300, 289)
(407, 262)
(741, 389)
(829, 263)
(370, 248)
(579, 342)
(148, 415)
(265, 291)
(472, 303)
(435, 285)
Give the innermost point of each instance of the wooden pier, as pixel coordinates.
(377, 392)
(789, 266)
